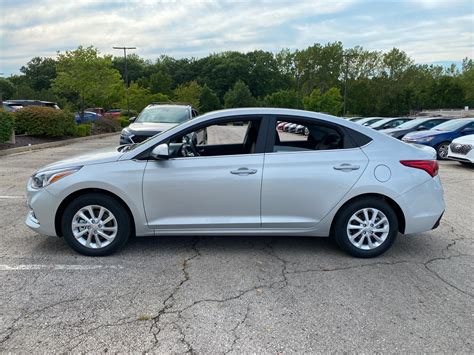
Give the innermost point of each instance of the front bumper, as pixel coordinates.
(43, 206)
(465, 158)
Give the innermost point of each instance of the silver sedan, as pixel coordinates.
(355, 184)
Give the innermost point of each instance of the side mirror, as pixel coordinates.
(468, 130)
(422, 128)
(132, 119)
(160, 152)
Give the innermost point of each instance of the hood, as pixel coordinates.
(422, 134)
(152, 128)
(105, 155)
(469, 139)
(392, 130)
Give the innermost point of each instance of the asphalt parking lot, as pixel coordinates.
(234, 294)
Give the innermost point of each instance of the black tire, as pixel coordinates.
(465, 163)
(341, 236)
(110, 203)
(442, 150)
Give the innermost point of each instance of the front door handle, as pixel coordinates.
(243, 171)
(346, 167)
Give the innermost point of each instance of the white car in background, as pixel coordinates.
(462, 150)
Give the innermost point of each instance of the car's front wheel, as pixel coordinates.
(95, 225)
(366, 228)
(442, 150)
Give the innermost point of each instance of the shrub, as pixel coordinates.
(133, 113)
(44, 121)
(7, 124)
(83, 130)
(106, 125)
(124, 122)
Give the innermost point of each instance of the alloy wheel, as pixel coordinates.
(368, 228)
(94, 226)
(443, 151)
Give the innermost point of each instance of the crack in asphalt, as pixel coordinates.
(281, 282)
(169, 301)
(234, 330)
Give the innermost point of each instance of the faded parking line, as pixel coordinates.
(26, 267)
(12, 197)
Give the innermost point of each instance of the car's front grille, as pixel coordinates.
(462, 149)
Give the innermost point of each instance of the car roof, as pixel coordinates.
(168, 104)
(27, 101)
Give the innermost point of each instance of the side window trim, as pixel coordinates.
(261, 139)
(349, 142)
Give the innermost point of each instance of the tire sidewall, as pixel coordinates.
(114, 206)
(342, 219)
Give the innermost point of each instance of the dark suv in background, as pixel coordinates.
(156, 118)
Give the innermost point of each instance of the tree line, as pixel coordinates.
(327, 78)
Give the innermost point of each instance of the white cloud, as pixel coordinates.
(197, 28)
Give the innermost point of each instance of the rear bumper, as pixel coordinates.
(423, 206)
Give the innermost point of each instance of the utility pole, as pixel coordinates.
(126, 74)
(346, 57)
(1, 95)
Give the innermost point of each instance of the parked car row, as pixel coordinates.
(292, 128)
(451, 138)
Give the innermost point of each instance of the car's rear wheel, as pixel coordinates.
(442, 150)
(366, 228)
(95, 225)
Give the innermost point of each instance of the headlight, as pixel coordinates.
(425, 139)
(48, 177)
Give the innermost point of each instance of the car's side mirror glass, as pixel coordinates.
(422, 128)
(132, 119)
(160, 152)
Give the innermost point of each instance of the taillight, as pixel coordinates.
(430, 166)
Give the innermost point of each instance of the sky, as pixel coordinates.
(430, 31)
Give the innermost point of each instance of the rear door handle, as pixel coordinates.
(243, 171)
(346, 167)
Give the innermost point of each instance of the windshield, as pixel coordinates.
(164, 114)
(451, 125)
(127, 147)
(412, 123)
(380, 123)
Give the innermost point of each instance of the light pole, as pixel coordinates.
(1, 96)
(346, 68)
(126, 74)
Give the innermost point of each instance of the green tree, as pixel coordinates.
(331, 101)
(208, 100)
(188, 93)
(88, 75)
(137, 67)
(140, 97)
(283, 99)
(160, 82)
(7, 89)
(40, 73)
(312, 102)
(239, 96)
